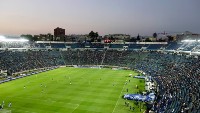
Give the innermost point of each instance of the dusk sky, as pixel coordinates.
(103, 16)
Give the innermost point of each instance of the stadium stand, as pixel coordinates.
(40, 45)
(176, 75)
(16, 61)
(188, 46)
(135, 46)
(116, 45)
(97, 45)
(14, 44)
(155, 46)
(173, 46)
(57, 45)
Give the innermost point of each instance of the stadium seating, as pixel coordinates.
(188, 46)
(116, 46)
(14, 44)
(40, 45)
(16, 61)
(154, 46)
(173, 46)
(177, 75)
(58, 45)
(135, 46)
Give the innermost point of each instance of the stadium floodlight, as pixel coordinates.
(4, 39)
(23, 40)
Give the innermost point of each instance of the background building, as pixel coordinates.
(59, 34)
(187, 36)
(117, 37)
(44, 37)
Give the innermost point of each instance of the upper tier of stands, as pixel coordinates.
(173, 46)
(155, 46)
(184, 46)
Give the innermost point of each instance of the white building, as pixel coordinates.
(118, 37)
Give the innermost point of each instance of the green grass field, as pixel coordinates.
(90, 91)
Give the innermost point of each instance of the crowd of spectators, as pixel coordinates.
(16, 61)
(178, 79)
(103, 57)
(177, 76)
(14, 45)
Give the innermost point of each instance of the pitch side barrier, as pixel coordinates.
(99, 67)
(150, 82)
(26, 73)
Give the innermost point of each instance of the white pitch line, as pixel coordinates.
(119, 97)
(76, 107)
(48, 100)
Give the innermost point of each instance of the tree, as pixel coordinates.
(155, 35)
(93, 36)
(170, 38)
(148, 40)
(99, 39)
(161, 40)
(96, 35)
(133, 39)
(138, 37)
(112, 39)
(29, 37)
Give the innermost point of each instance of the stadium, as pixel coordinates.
(96, 77)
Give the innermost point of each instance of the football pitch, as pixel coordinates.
(72, 90)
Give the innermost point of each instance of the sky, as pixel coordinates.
(103, 16)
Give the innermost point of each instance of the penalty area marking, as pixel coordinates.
(119, 98)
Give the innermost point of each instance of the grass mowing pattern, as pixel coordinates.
(91, 91)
